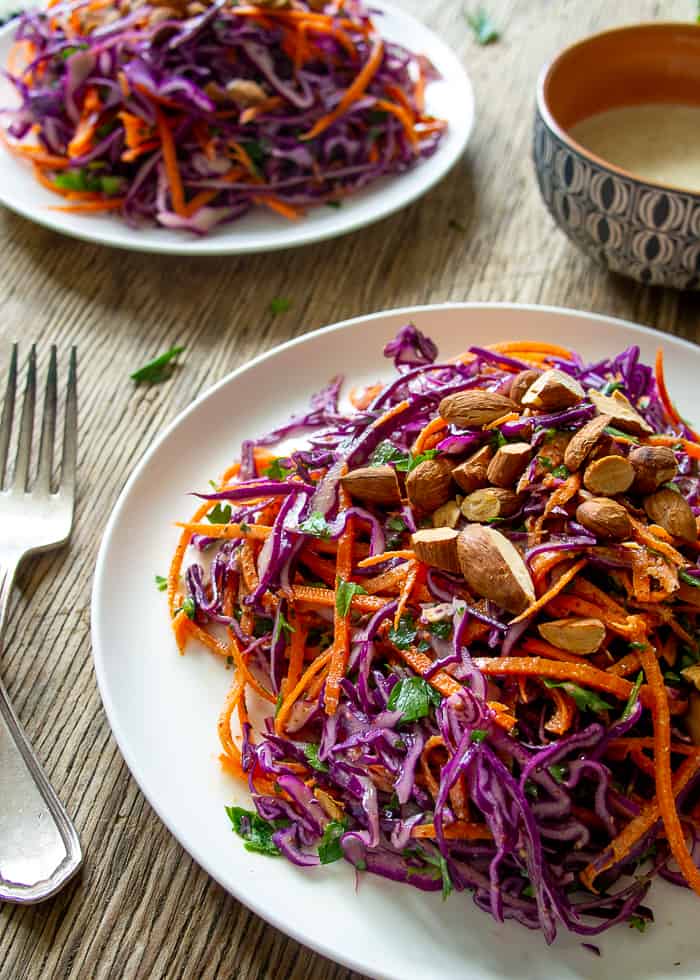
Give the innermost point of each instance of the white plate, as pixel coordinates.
(450, 98)
(163, 708)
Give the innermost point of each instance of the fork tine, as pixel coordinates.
(24, 446)
(48, 427)
(8, 411)
(70, 431)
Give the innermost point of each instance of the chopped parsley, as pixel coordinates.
(585, 700)
(278, 703)
(219, 514)
(561, 472)
(256, 832)
(689, 579)
(637, 922)
(387, 452)
(188, 607)
(282, 624)
(404, 634)
(311, 753)
(329, 850)
(482, 26)
(159, 369)
(442, 628)
(87, 180)
(279, 305)
(72, 49)
(611, 386)
(557, 771)
(344, 593)
(413, 696)
(619, 434)
(317, 525)
(632, 699)
(161, 583)
(396, 524)
(478, 735)
(545, 461)
(410, 462)
(498, 439)
(276, 471)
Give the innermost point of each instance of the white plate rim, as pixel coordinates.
(344, 223)
(265, 912)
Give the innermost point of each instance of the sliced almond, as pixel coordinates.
(471, 475)
(672, 511)
(553, 390)
(692, 718)
(429, 485)
(608, 476)
(621, 411)
(575, 635)
(484, 505)
(245, 92)
(493, 568)
(583, 441)
(605, 518)
(508, 464)
(521, 382)
(692, 675)
(653, 465)
(448, 515)
(373, 485)
(473, 408)
(437, 546)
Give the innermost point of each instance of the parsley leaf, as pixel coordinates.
(612, 431)
(528, 891)
(157, 370)
(275, 471)
(311, 753)
(498, 439)
(611, 386)
(482, 26)
(585, 700)
(634, 695)
(637, 922)
(161, 583)
(413, 696)
(396, 524)
(413, 461)
(478, 735)
(329, 849)
(188, 607)
(317, 525)
(387, 452)
(219, 514)
(279, 305)
(689, 579)
(344, 595)
(442, 628)
(447, 886)
(72, 49)
(256, 832)
(278, 703)
(405, 634)
(282, 624)
(557, 771)
(561, 472)
(545, 461)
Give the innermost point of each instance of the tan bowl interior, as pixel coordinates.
(629, 66)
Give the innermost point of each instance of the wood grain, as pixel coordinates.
(142, 908)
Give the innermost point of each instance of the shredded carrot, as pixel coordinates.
(404, 118)
(386, 556)
(532, 346)
(582, 674)
(341, 642)
(406, 590)
(321, 662)
(553, 591)
(276, 204)
(540, 648)
(113, 204)
(351, 94)
(561, 720)
(459, 830)
(229, 532)
(431, 429)
(242, 667)
(326, 598)
(177, 195)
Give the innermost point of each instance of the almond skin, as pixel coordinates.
(583, 441)
(608, 476)
(582, 636)
(429, 485)
(624, 416)
(471, 475)
(605, 518)
(672, 512)
(494, 569)
(553, 390)
(507, 465)
(653, 465)
(473, 408)
(521, 382)
(437, 546)
(484, 505)
(373, 484)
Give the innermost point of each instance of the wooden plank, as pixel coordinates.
(142, 908)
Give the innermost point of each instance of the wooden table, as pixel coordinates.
(142, 907)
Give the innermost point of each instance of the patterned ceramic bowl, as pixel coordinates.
(638, 228)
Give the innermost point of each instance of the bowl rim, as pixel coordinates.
(565, 136)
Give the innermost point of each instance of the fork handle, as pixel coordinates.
(39, 847)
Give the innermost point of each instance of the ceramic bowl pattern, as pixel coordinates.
(647, 231)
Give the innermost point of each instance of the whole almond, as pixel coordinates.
(608, 476)
(672, 512)
(437, 546)
(605, 518)
(653, 465)
(429, 485)
(583, 441)
(521, 382)
(494, 569)
(622, 413)
(473, 408)
(553, 390)
(373, 485)
(471, 475)
(491, 502)
(582, 636)
(507, 465)
(448, 515)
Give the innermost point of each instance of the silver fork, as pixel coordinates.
(39, 848)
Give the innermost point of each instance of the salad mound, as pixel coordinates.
(466, 610)
(189, 115)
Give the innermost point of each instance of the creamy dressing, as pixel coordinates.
(656, 142)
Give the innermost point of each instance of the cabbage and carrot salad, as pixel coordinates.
(469, 609)
(187, 115)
